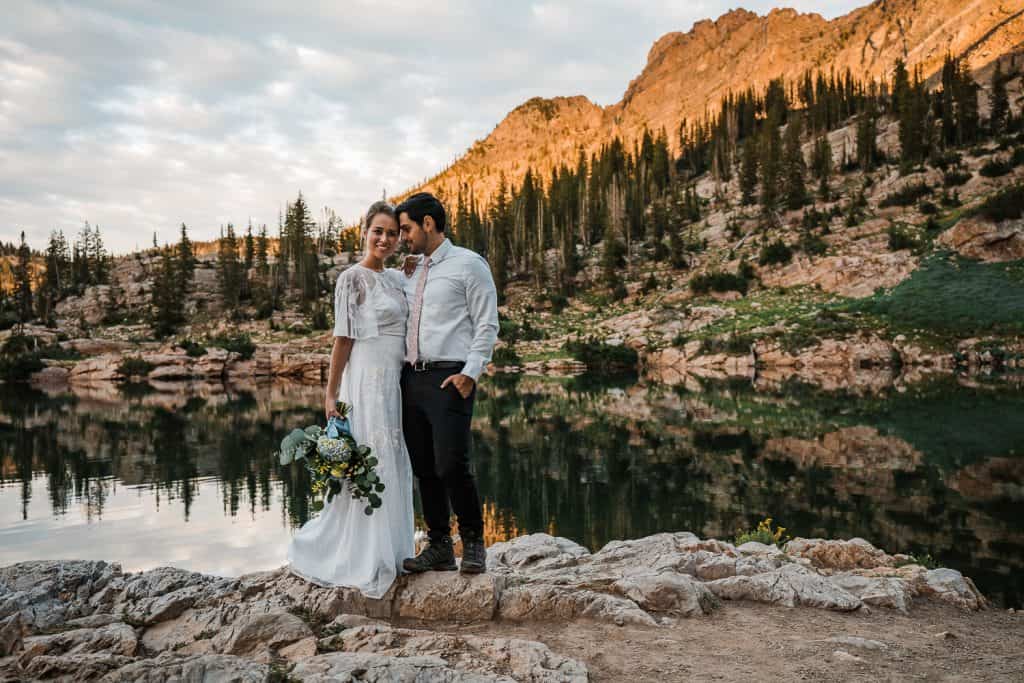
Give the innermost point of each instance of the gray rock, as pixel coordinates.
(10, 634)
(118, 639)
(377, 668)
(539, 602)
(188, 668)
(74, 667)
(259, 636)
(951, 586)
(669, 592)
(450, 596)
(717, 567)
(858, 642)
(791, 585)
(880, 591)
(523, 660)
(535, 552)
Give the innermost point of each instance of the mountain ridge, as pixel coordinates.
(687, 73)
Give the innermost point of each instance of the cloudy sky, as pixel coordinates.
(137, 115)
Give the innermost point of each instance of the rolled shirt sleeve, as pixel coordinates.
(482, 302)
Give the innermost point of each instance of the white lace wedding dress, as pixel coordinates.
(343, 546)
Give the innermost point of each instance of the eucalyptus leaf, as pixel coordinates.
(368, 509)
(379, 486)
(293, 446)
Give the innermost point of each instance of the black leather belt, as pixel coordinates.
(425, 365)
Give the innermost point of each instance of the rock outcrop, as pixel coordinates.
(80, 620)
(983, 240)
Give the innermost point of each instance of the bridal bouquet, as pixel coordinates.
(333, 458)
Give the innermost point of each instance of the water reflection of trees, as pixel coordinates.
(908, 470)
(85, 447)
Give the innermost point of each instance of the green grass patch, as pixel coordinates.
(953, 296)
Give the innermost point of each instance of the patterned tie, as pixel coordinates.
(412, 335)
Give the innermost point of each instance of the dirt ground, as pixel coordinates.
(753, 643)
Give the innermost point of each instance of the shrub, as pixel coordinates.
(650, 284)
(945, 160)
(776, 252)
(994, 168)
(764, 533)
(1017, 158)
(812, 244)
(717, 281)
(597, 355)
(241, 344)
(1005, 205)
(192, 348)
(907, 195)
(133, 366)
(901, 238)
(20, 366)
(955, 177)
(320, 320)
(20, 343)
(558, 302)
(927, 208)
(619, 291)
(951, 200)
(505, 355)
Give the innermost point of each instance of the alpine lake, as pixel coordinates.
(187, 476)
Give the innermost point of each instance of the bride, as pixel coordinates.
(343, 546)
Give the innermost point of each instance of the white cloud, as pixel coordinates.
(137, 115)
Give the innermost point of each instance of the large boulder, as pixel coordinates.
(375, 668)
(792, 585)
(208, 668)
(443, 596)
(261, 636)
(841, 555)
(977, 238)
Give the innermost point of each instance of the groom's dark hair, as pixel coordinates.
(423, 204)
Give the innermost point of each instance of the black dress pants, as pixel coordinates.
(436, 423)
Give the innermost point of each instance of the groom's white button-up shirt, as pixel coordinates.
(459, 319)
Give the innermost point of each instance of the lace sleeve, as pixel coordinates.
(354, 313)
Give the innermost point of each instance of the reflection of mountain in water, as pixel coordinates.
(938, 468)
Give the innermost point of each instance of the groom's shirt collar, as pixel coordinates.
(442, 251)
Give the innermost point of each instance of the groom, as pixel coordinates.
(453, 325)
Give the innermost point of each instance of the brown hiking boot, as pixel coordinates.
(439, 556)
(474, 557)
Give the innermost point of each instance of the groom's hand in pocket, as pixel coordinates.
(462, 383)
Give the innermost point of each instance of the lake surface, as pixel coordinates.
(187, 477)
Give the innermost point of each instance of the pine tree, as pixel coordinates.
(99, 260)
(23, 283)
(186, 261)
(250, 248)
(229, 269)
(166, 298)
(748, 172)
(867, 145)
(262, 251)
(822, 166)
(913, 120)
(998, 101)
(771, 161)
(793, 167)
(55, 281)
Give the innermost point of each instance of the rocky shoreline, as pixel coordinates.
(88, 620)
